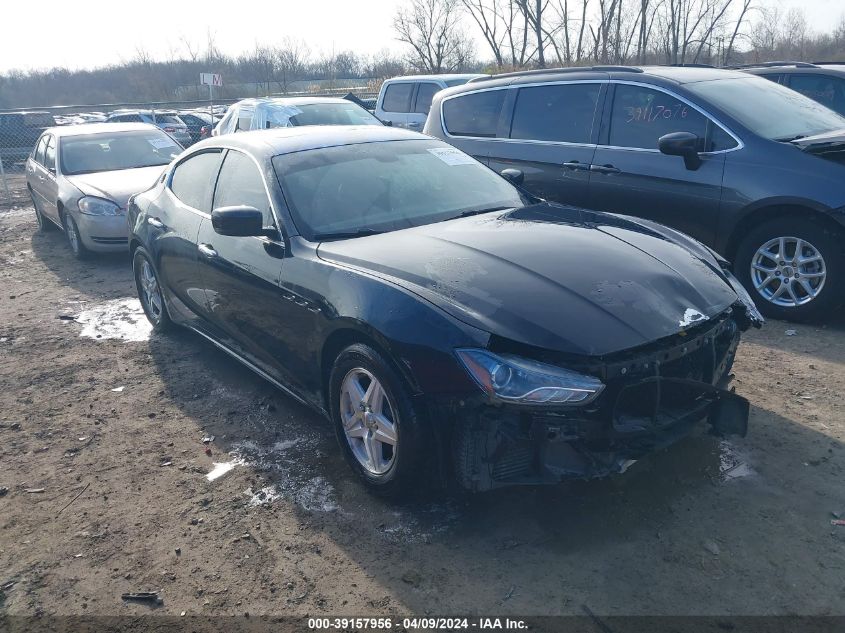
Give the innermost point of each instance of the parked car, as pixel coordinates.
(405, 101)
(200, 124)
(273, 112)
(81, 176)
(750, 168)
(166, 120)
(18, 133)
(821, 81)
(442, 319)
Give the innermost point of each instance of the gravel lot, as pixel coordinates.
(102, 453)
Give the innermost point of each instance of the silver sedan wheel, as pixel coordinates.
(72, 235)
(788, 271)
(369, 421)
(151, 291)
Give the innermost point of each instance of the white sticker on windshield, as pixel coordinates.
(160, 143)
(451, 156)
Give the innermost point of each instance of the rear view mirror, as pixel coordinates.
(513, 176)
(241, 221)
(684, 144)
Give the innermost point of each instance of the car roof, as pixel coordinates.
(290, 101)
(788, 67)
(663, 75)
(286, 140)
(102, 128)
(444, 77)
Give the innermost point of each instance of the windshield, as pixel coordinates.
(769, 109)
(386, 186)
(316, 114)
(168, 119)
(120, 150)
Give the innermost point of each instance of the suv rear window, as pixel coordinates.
(397, 97)
(425, 93)
(168, 118)
(562, 113)
(475, 114)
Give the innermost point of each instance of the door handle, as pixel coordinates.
(413, 124)
(575, 165)
(604, 169)
(155, 222)
(207, 250)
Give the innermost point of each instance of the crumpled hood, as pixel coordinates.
(555, 277)
(117, 185)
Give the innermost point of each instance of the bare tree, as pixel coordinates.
(488, 16)
(431, 29)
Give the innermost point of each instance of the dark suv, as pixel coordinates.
(747, 166)
(821, 81)
(18, 133)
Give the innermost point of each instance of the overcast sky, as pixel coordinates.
(91, 33)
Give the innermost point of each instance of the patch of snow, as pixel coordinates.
(122, 319)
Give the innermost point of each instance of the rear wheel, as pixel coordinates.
(149, 291)
(793, 269)
(73, 237)
(376, 424)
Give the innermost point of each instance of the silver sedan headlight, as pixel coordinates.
(91, 205)
(525, 381)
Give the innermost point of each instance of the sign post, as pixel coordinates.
(211, 80)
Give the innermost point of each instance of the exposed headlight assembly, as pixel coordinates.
(92, 205)
(524, 381)
(751, 309)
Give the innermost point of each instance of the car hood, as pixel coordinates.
(117, 185)
(555, 277)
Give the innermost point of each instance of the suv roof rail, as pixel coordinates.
(829, 63)
(691, 65)
(556, 71)
(774, 65)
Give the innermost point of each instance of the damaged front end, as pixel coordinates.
(650, 398)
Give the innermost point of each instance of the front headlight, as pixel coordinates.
(91, 205)
(747, 301)
(524, 381)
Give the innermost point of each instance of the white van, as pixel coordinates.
(405, 101)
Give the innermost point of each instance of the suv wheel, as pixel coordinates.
(793, 269)
(376, 424)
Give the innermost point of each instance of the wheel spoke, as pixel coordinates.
(764, 283)
(357, 430)
(374, 396)
(373, 453)
(356, 392)
(385, 430)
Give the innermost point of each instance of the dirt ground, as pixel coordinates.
(102, 453)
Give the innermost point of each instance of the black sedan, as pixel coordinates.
(447, 323)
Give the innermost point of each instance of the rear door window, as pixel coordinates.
(562, 113)
(193, 180)
(475, 114)
(640, 116)
(829, 91)
(425, 93)
(244, 119)
(40, 149)
(397, 97)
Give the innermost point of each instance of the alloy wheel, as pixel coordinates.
(151, 294)
(369, 421)
(788, 271)
(72, 234)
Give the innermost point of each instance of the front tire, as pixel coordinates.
(376, 424)
(150, 292)
(794, 269)
(74, 238)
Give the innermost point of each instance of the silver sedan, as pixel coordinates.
(80, 178)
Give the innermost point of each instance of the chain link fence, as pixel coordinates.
(20, 129)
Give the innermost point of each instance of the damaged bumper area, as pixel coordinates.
(653, 397)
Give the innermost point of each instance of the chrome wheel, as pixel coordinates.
(369, 421)
(150, 291)
(72, 234)
(788, 271)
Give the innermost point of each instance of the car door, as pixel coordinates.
(174, 224)
(36, 174)
(241, 274)
(49, 184)
(422, 104)
(551, 139)
(396, 103)
(630, 175)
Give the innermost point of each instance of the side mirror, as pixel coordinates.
(238, 221)
(513, 176)
(684, 144)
